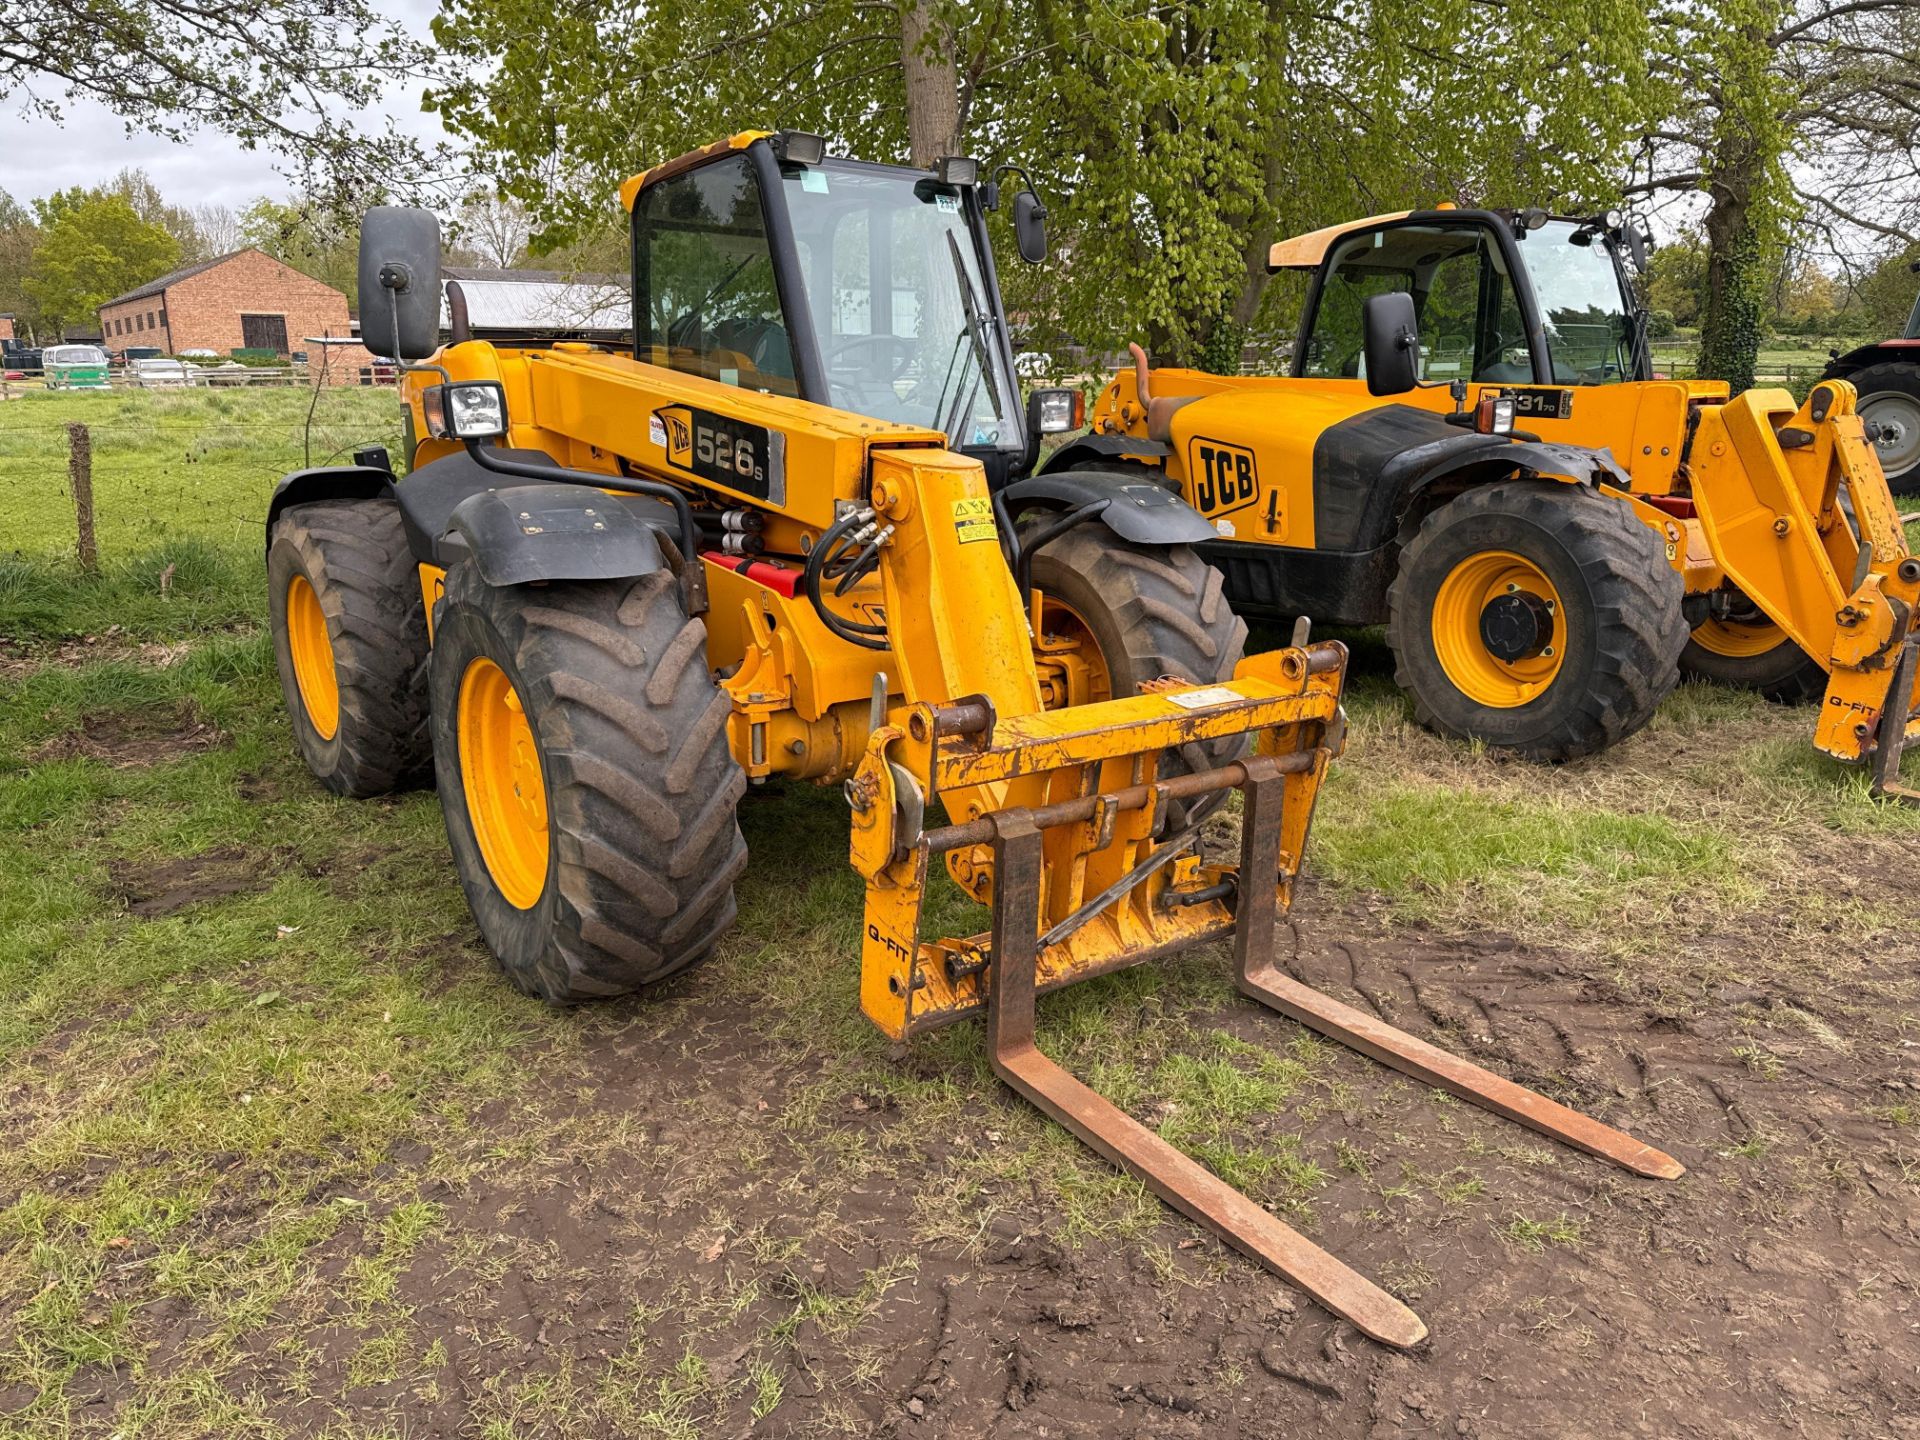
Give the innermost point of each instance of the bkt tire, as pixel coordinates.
(580, 745)
(350, 639)
(1540, 618)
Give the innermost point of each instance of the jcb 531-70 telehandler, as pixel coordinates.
(1417, 468)
(615, 587)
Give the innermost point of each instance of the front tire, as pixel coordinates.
(1750, 652)
(1130, 614)
(1538, 617)
(350, 639)
(581, 750)
(1143, 612)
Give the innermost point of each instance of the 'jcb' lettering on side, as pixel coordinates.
(1224, 477)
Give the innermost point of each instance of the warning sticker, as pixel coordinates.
(1202, 699)
(973, 520)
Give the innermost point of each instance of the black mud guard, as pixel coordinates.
(559, 532)
(1142, 511)
(327, 482)
(1103, 450)
(1547, 459)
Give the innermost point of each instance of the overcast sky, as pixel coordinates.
(92, 145)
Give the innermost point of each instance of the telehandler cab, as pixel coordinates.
(614, 588)
(1418, 468)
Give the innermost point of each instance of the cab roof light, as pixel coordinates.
(800, 147)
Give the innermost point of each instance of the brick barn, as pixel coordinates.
(243, 301)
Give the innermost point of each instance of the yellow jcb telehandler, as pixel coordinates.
(615, 586)
(1419, 468)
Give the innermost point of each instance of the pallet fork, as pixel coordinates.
(1289, 702)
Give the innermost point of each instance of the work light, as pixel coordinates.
(1055, 411)
(956, 170)
(800, 147)
(465, 410)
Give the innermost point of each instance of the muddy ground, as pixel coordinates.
(1771, 1292)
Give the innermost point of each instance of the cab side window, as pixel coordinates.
(1335, 348)
(704, 295)
(1463, 299)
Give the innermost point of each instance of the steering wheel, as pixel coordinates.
(902, 348)
(1601, 373)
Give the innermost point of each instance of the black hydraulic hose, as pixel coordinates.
(854, 632)
(1023, 556)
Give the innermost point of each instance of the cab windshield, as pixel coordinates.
(904, 317)
(1591, 331)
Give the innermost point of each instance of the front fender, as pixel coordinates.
(559, 532)
(1140, 511)
(327, 482)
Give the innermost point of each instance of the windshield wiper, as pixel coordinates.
(975, 330)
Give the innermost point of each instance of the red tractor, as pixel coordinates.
(1887, 375)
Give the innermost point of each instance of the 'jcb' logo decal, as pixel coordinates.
(1223, 477)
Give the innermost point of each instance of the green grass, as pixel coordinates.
(201, 1104)
(181, 481)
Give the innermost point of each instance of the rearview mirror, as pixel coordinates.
(1636, 248)
(400, 282)
(1030, 227)
(1392, 343)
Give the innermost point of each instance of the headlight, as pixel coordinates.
(1055, 411)
(1494, 415)
(466, 410)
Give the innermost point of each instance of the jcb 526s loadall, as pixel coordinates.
(1473, 449)
(612, 589)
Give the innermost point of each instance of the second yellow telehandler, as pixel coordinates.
(1472, 448)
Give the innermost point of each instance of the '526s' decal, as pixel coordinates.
(1222, 475)
(750, 459)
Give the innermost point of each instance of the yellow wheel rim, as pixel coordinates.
(1068, 642)
(1461, 610)
(500, 772)
(1739, 639)
(312, 654)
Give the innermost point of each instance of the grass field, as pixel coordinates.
(282, 1155)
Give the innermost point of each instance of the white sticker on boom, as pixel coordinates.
(1201, 699)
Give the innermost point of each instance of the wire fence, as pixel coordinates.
(164, 466)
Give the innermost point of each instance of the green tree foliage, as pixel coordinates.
(287, 74)
(1885, 294)
(314, 237)
(1676, 279)
(91, 248)
(18, 235)
(1785, 113)
(1174, 141)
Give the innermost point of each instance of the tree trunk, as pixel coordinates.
(933, 84)
(1736, 281)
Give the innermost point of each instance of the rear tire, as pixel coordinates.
(1890, 394)
(629, 877)
(1607, 643)
(350, 638)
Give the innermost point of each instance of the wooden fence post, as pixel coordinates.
(80, 474)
